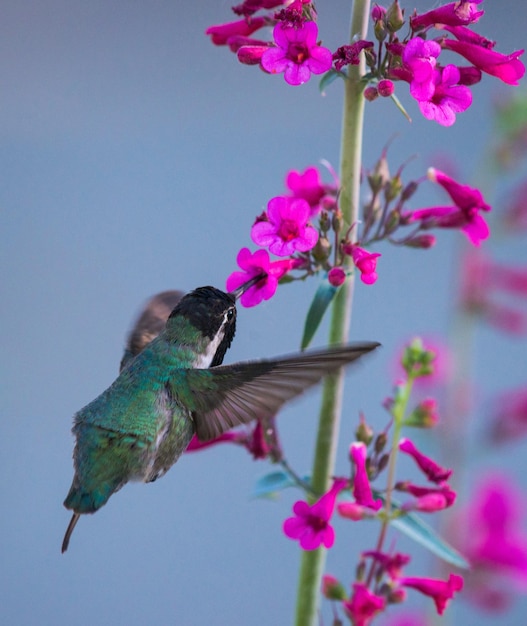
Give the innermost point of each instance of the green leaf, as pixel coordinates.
(328, 78)
(418, 530)
(323, 297)
(399, 105)
(269, 485)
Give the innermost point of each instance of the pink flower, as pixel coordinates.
(287, 229)
(444, 491)
(419, 56)
(391, 564)
(297, 54)
(491, 532)
(233, 437)
(363, 606)
(221, 33)
(252, 265)
(308, 186)
(465, 215)
(353, 511)
(441, 591)
(433, 471)
(248, 7)
(506, 67)
(361, 484)
(453, 14)
(251, 54)
(365, 262)
(448, 97)
(311, 522)
(336, 276)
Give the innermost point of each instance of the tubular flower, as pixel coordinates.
(366, 263)
(361, 484)
(296, 54)
(452, 14)
(441, 591)
(447, 97)
(221, 33)
(310, 525)
(433, 471)
(506, 67)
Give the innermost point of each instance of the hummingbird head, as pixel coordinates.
(212, 313)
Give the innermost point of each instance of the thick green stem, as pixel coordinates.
(312, 563)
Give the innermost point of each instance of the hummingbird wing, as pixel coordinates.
(229, 395)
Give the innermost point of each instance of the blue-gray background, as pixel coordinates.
(134, 156)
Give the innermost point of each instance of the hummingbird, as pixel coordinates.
(175, 387)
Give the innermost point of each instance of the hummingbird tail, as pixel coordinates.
(69, 530)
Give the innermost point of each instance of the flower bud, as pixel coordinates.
(393, 189)
(322, 249)
(421, 241)
(380, 442)
(371, 93)
(364, 433)
(424, 415)
(394, 17)
(332, 589)
(385, 88)
(336, 276)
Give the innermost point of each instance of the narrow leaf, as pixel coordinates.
(269, 485)
(399, 105)
(328, 78)
(418, 530)
(323, 297)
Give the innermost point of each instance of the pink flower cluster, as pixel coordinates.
(442, 91)
(286, 229)
(294, 51)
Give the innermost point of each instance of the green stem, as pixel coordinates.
(312, 562)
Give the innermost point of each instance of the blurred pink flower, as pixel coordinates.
(296, 54)
(441, 591)
(509, 420)
(310, 525)
(308, 186)
(491, 533)
(430, 468)
(365, 262)
(361, 484)
(221, 33)
(363, 605)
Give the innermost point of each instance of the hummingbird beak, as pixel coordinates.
(250, 283)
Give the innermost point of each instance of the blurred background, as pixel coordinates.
(134, 156)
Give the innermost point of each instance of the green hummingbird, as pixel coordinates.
(176, 387)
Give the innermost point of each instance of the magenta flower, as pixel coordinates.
(353, 511)
(420, 57)
(465, 215)
(385, 88)
(361, 484)
(252, 265)
(506, 67)
(221, 33)
(452, 14)
(365, 262)
(491, 534)
(251, 54)
(232, 437)
(308, 186)
(446, 493)
(433, 471)
(441, 591)
(363, 606)
(286, 229)
(297, 54)
(391, 564)
(448, 97)
(311, 522)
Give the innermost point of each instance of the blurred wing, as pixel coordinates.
(231, 395)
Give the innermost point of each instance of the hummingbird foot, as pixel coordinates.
(69, 530)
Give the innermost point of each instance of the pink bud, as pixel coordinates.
(336, 276)
(385, 88)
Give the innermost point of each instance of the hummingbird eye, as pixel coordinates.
(230, 314)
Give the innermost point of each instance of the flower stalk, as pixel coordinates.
(312, 563)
